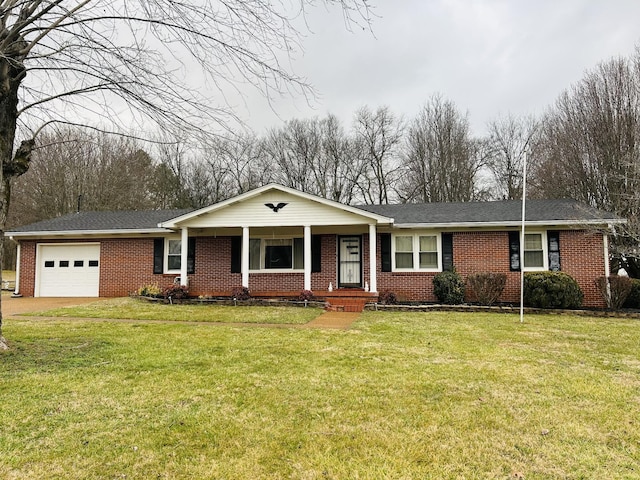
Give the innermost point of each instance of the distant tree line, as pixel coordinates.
(584, 147)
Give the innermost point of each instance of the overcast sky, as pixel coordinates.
(490, 57)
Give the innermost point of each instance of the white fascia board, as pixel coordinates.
(174, 223)
(564, 223)
(87, 233)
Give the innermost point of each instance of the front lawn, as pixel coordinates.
(140, 309)
(399, 396)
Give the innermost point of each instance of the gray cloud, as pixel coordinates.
(490, 57)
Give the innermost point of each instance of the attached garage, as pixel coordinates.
(67, 270)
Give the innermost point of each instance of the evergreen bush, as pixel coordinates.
(633, 299)
(551, 290)
(448, 287)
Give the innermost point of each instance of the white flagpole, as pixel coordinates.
(524, 198)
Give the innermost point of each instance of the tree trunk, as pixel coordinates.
(12, 72)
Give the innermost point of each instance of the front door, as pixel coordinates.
(350, 262)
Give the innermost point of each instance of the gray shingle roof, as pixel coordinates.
(504, 211)
(103, 221)
(499, 212)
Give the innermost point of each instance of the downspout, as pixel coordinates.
(607, 266)
(16, 290)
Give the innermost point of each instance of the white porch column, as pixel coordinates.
(373, 263)
(16, 290)
(307, 257)
(245, 257)
(184, 256)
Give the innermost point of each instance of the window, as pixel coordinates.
(167, 255)
(416, 252)
(428, 251)
(174, 248)
(533, 251)
(64, 263)
(78, 263)
(49, 264)
(93, 263)
(404, 251)
(540, 251)
(276, 254)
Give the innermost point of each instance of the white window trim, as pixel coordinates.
(545, 251)
(166, 255)
(416, 250)
(262, 269)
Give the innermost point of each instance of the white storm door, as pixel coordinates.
(350, 262)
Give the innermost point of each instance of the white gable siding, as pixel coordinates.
(298, 211)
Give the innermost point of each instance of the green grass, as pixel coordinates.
(399, 396)
(134, 309)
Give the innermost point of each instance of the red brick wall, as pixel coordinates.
(27, 268)
(477, 252)
(127, 264)
(328, 271)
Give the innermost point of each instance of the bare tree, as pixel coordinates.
(378, 137)
(341, 168)
(508, 142)
(244, 162)
(295, 150)
(441, 159)
(589, 148)
(74, 169)
(118, 61)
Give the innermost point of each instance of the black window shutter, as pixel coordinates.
(236, 254)
(191, 256)
(158, 255)
(385, 252)
(316, 253)
(514, 251)
(447, 252)
(553, 241)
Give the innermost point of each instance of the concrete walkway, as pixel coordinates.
(334, 320)
(15, 306)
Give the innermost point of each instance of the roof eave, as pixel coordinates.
(567, 223)
(85, 233)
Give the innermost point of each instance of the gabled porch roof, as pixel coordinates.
(275, 206)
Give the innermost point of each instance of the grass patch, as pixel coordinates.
(400, 395)
(9, 275)
(136, 309)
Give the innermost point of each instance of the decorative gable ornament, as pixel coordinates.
(277, 207)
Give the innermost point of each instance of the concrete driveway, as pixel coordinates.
(14, 306)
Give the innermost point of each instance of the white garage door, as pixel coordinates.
(69, 270)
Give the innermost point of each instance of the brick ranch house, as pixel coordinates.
(278, 241)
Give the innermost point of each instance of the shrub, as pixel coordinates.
(240, 293)
(614, 290)
(551, 290)
(448, 287)
(150, 290)
(387, 298)
(633, 299)
(487, 287)
(176, 292)
(305, 296)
